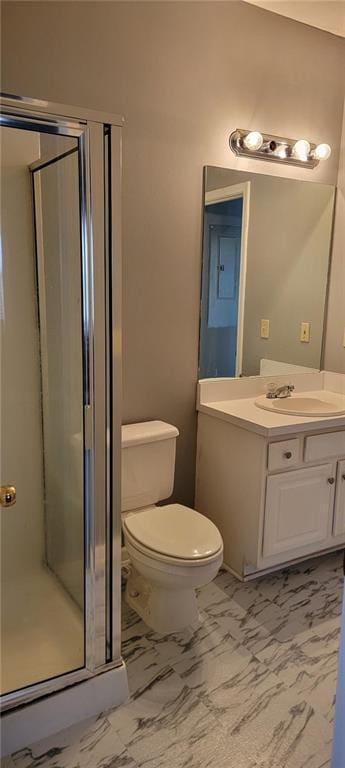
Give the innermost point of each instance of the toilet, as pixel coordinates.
(173, 549)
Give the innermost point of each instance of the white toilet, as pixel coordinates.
(172, 549)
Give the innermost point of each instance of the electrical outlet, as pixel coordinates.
(305, 332)
(264, 329)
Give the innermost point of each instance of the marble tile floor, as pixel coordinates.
(252, 686)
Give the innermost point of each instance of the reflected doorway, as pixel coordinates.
(223, 282)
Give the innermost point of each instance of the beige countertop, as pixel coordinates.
(244, 413)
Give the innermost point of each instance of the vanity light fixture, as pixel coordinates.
(263, 146)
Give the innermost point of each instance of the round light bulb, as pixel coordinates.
(301, 149)
(281, 151)
(253, 141)
(322, 152)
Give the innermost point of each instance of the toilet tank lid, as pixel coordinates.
(147, 432)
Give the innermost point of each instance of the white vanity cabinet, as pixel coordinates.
(298, 509)
(274, 500)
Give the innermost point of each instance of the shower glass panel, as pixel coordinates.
(42, 444)
(56, 196)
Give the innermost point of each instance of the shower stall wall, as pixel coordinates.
(60, 318)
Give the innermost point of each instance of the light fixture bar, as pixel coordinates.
(278, 149)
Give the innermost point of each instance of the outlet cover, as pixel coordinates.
(305, 332)
(264, 329)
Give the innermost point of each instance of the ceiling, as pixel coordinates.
(324, 14)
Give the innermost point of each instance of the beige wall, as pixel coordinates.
(184, 75)
(21, 526)
(335, 329)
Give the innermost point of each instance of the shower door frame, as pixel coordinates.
(100, 169)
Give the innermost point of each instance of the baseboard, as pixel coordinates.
(41, 719)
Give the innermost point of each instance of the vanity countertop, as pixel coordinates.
(244, 413)
(233, 400)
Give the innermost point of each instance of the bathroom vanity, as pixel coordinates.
(273, 483)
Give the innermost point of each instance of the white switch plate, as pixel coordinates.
(305, 332)
(264, 329)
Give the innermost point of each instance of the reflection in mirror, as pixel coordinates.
(266, 250)
(42, 534)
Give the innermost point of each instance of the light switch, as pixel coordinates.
(305, 332)
(264, 329)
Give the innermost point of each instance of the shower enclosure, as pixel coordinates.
(60, 293)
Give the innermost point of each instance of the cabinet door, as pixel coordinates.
(339, 511)
(299, 509)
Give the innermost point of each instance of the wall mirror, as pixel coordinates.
(265, 265)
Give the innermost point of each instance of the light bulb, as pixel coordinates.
(322, 152)
(253, 141)
(281, 151)
(301, 149)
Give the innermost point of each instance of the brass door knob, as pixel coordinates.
(8, 495)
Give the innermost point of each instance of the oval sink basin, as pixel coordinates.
(328, 404)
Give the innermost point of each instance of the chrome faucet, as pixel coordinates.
(284, 390)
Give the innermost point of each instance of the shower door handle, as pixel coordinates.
(8, 495)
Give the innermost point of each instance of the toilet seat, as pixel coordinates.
(173, 534)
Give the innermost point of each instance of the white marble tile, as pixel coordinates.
(307, 664)
(246, 616)
(132, 625)
(143, 664)
(89, 745)
(257, 709)
(170, 726)
(229, 680)
(311, 609)
(285, 734)
(232, 586)
(193, 642)
(251, 686)
(304, 578)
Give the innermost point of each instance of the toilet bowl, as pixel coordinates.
(173, 549)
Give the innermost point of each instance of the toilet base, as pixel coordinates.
(164, 610)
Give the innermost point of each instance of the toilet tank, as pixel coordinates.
(148, 463)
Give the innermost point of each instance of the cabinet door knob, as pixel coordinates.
(287, 454)
(343, 477)
(330, 480)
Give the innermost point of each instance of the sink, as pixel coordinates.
(306, 404)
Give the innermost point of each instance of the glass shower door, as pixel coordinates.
(42, 445)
